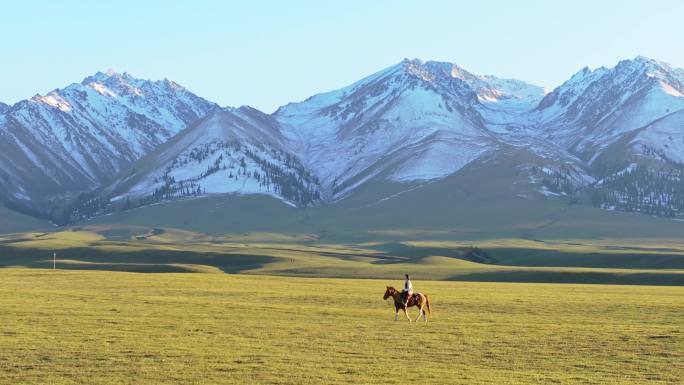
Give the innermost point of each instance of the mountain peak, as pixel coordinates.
(626, 70)
(650, 61)
(431, 70)
(643, 63)
(585, 75)
(81, 135)
(109, 76)
(637, 63)
(173, 85)
(669, 78)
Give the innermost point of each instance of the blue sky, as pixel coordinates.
(266, 53)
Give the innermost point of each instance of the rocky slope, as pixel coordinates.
(78, 138)
(612, 136)
(232, 150)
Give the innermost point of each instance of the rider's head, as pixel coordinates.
(407, 277)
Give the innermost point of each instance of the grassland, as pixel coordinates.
(77, 327)
(12, 222)
(281, 307)
(286, 295)
(465, 206)
(140, 249)
(464, 227)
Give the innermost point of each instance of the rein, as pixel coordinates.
(394, 294)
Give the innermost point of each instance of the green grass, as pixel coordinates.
(140, 249)
(464, 207)
(77, 327)
(463, 217)
(14, 222)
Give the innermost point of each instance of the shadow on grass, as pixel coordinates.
(611, 257)
(607, 278)
(143, 261)
(397, 252)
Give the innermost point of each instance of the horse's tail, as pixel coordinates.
(427, 303)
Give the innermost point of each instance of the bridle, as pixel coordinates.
(389, 293)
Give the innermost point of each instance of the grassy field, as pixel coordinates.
(464, 206)
(140, 249)
(12, 222)
(77, 327)
(277, 321)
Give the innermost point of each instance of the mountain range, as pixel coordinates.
(76, 139)
(609, 137)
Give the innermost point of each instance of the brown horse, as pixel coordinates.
(417, 299)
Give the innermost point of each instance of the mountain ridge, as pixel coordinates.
(413, 122)
(77, 138)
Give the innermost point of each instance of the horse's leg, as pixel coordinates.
(396, 314)
(422, 309)
(407, 316)
(420, 312)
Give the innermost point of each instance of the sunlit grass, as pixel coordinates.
(96, 327)
(143, 249)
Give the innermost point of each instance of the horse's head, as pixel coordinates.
(389, 292)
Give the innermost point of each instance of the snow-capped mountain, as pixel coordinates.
(412, 121)
(232, 150)
(661, 140)
(604, 133)
(594, 109)
(79, 137)
(627, 123)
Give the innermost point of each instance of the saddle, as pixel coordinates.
(414, 299)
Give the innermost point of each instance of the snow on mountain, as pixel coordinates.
(413, 120)
(75, 138)
(627, 123)
(594, 109)
(662, 139)
(233, 150)
(410, 122)
(513, 89)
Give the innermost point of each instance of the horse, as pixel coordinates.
(417, 299)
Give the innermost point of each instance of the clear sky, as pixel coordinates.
(267, 53)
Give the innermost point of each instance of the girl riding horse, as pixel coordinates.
(420, 300)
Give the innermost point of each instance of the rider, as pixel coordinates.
(408, 291)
